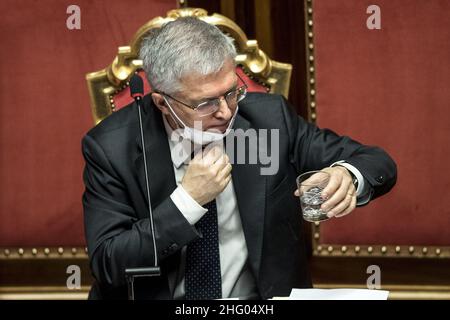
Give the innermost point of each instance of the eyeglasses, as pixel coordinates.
(210, 106)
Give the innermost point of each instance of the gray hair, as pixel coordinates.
(186, 45)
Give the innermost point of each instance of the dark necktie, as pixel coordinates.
(202, 276)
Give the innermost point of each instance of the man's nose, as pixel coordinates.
(224, 110)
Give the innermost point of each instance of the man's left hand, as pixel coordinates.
(339, 192)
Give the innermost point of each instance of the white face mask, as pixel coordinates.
(196, 134)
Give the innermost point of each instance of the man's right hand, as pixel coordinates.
(207, 175)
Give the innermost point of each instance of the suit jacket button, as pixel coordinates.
(380, 179)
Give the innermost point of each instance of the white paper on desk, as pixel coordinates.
(338, 294)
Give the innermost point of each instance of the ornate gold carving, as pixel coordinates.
(103, 84)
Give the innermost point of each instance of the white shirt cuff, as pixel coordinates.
(355, 172)
(190, 208)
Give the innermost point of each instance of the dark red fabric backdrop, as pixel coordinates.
(45, 109)
(390, 87)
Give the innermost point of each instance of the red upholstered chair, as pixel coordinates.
(108, 88)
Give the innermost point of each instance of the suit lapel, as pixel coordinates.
(250, 188)
(160, 168)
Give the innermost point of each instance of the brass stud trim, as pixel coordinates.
(330, 249)
(40, 252)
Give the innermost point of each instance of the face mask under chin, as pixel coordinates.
(196, 134)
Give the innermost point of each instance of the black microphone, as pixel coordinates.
(136, 87)
(137, 92)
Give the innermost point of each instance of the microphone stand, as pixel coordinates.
(137, 92)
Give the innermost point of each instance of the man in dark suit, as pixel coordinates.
(223, 227)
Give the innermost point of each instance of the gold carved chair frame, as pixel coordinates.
(104, 84)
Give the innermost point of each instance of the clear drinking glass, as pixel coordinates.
(310, 185)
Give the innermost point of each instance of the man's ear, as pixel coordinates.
(160, 103)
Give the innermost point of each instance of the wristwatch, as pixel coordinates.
(354, 179)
